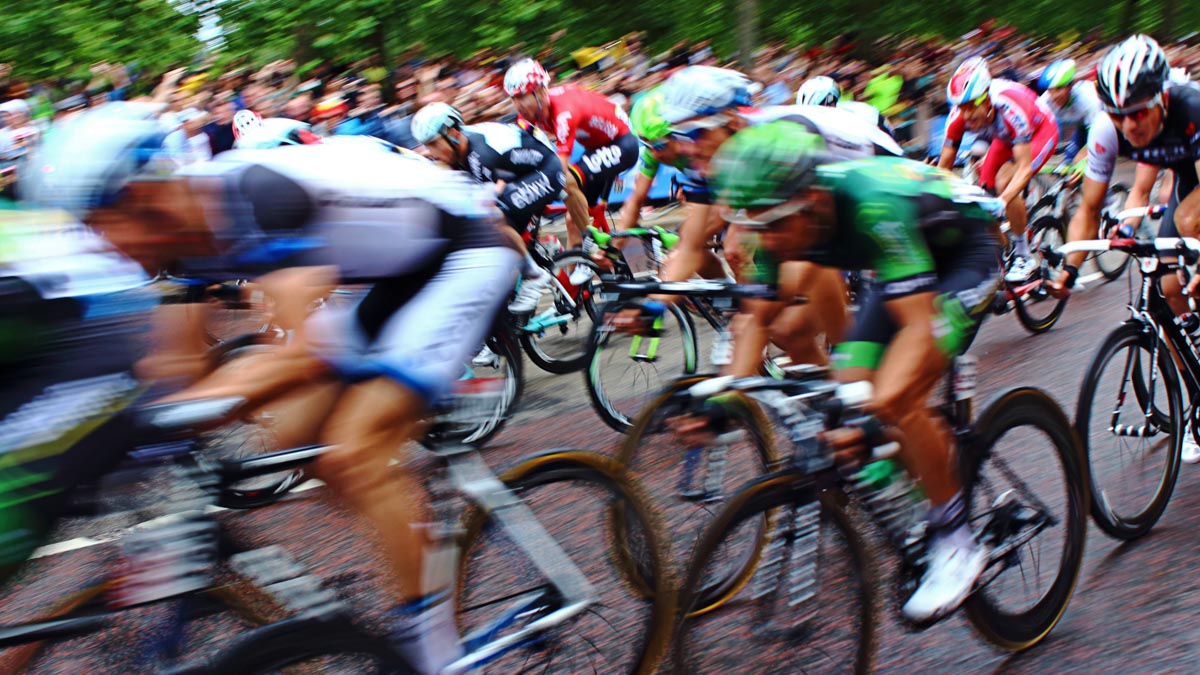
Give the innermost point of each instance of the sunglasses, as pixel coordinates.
(766, 219)
(1135, 112)
(656, 145)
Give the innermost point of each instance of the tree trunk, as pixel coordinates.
(747, 32)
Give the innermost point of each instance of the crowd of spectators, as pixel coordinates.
(906, 82)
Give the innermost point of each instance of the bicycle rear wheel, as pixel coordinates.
(692, 482)
(485, 396)
(1027, 495)
(627, 628)
(309, 646)
(1132, 443)
(1036, 309)
(555, 336)
(625, 372)
(810, 606)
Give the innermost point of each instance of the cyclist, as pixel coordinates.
(824, 91)
(257, 133)
(1024, 135)
(931, 243)
(705, 106)
(569, 113)
(526, 174)
(1074, 104)
(1153, 121)
(427, 238)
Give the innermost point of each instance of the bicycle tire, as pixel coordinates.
(619, 415)
(287, 643)
(578, 303)
(1130, 335)
(748, 415)
(1112, 264)
(649, 578)
(774, 491)
(262, 491)
(503, 344)
(1044, 228)
(1031, 408)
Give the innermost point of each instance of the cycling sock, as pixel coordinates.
(424, 631)
(1021, 246)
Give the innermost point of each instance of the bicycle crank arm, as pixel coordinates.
(1131, 431)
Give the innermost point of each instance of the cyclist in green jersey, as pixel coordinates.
(930, 240)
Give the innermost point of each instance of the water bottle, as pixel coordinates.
(892, 497)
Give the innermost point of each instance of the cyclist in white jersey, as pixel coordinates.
(1074, 104)
(824, 91)
(364, 377)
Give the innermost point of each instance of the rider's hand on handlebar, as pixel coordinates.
(637, 320)
(848, 445)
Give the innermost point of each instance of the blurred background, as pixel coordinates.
(364, 66)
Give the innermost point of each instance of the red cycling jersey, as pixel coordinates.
(1019, 115)
(578, 114)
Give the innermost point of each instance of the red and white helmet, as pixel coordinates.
(525, 76)
(970, 81)
(246, 121)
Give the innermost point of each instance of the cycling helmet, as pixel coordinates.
(767, 164)
(85, 161)
(646, 118)
(969, 83)
(1058, 74)
(1132, 72)
(433, 120)
(701, 91)
(330, 106)
(274, 132)
(245, 121)
(820, 90)
(525, 76)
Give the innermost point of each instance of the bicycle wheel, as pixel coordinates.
(1027, 494)
(1036, 309)
(485, 396)
(246, 438)
(626, 371)
(309, 646)
(627, 628)
(556, 334)
(1132, 443)
(692, 482)
(810, 607)
(1112, 263)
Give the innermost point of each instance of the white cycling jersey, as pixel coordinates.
(848, 134)
(1081, 108)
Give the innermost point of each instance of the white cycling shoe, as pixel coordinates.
(1190, 454)
(1021, 269)
(529, 293)
(953, 570)
(485, 358)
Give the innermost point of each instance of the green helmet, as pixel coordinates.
(766, 165)
(646, 117)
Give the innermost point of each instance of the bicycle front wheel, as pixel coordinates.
(693, 479)
(1132, 442)
(1112, 263)
(555, 336)
(1037, 310)
(1027, 496)
(810, 605)
(575, 496)
(625, 372)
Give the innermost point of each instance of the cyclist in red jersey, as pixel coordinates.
(570, 113)
(1022, 130)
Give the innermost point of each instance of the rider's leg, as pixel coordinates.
(798, 329)
(1014, 211)
(180, 351)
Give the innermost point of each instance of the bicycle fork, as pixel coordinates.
(790, 562)
(1149, 428)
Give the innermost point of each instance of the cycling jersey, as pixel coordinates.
(1075, 118)
(578, 114)
(869, 113)
(1177, 147)
(428, 237)
(1019, 115)
(530, 169)
(920, 229)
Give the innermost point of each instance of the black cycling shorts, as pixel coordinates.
(599, 167)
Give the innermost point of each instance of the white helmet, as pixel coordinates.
(820, 90)
(85, 161)
(274, 132)
(433, 120)
(525, 76)
(1132, 72)
(700, 91)
(245, 121)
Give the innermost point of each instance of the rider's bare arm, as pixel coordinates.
(633, 205)
(1187, 214)
(750, 336)
(946, 160)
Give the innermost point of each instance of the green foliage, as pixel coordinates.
(55, 39)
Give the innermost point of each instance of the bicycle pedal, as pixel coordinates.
(694, 495)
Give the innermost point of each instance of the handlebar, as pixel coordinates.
(693, 288)
(1152, 212)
